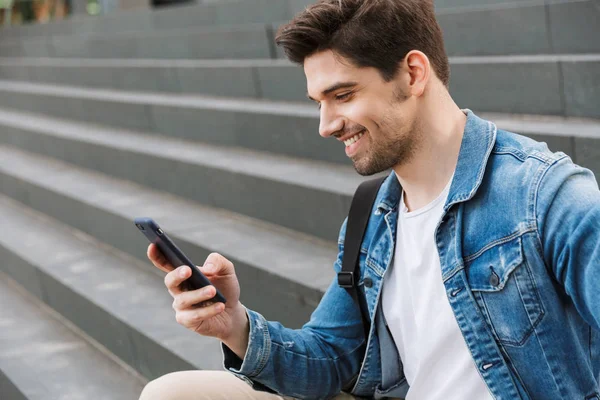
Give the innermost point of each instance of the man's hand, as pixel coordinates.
(227, 322)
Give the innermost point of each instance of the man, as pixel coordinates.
(480, 266)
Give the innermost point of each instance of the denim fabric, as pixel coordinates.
(519, 245)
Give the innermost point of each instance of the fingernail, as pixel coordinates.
(208, 290)
(182, 272)
(210, 267)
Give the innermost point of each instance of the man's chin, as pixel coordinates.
(365, 170)
(368, 167)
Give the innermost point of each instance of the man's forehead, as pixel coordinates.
(325, 69)
(327, 62)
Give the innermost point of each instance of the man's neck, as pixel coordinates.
(435, 158)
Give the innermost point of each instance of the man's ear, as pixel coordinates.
(416, 63)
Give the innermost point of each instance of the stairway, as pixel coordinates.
(192, 116)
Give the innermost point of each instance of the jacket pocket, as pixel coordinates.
(506, 292)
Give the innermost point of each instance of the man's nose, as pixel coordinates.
(330, 123)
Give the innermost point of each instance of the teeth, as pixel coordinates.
(353, 139)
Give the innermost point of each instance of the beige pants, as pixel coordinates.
(207, 385)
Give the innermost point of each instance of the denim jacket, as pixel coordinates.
(519, 245)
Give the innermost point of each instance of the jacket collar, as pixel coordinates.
(477, 144)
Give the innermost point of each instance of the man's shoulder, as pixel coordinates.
(525, 149)
(522, 170)
(515, 169)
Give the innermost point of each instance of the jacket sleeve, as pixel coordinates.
(314, 362)
(568, 215)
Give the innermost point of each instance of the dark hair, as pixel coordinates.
(370, 33)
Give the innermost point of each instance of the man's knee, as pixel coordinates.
(206, 385)
(197, 385)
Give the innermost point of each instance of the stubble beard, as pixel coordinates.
(387, 151)
(395, 144)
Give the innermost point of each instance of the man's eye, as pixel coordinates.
(339, 97)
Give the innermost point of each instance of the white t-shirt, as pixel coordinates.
(436, 360)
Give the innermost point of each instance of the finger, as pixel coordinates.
(218, 265)
(192, 317)
(175, 278)
(158, 259)
(189, 299)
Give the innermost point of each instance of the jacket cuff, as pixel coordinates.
(258, 352)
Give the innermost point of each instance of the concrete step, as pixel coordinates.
(311, 197)
(42, 356)
(282, 128)
(575, 136)
(117, 301)
(182, 16)
(221, 13)
(512, 27)
(519, 28)
(516, 27)
(566, 85)
(245, 41)
(290, 127)
(283, 274)
(258, 177)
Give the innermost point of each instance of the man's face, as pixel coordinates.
(374, 119)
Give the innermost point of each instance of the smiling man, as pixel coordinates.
(480, 265)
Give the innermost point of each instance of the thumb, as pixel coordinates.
(216, 264)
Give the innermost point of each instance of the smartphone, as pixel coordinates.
(174, 255)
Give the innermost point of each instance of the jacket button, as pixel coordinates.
(368, 282)
(494, 279)
(485, 367)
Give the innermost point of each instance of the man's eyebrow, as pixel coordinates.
(333, 88)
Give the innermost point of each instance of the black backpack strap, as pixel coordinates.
(358, 217)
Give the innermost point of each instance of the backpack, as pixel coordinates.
(358, 218)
